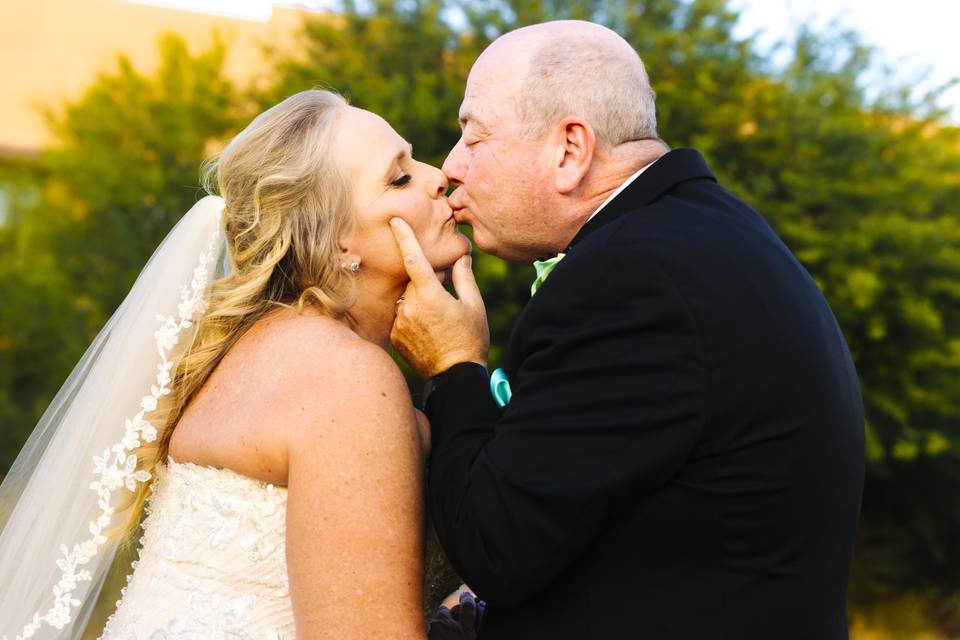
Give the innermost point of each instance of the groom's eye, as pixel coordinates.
(402, 180)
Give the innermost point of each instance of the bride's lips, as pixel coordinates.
(445, 274)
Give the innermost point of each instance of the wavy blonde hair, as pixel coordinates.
(286, 204)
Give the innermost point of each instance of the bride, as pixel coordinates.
(243, 392)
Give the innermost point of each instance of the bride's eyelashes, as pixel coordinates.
(401, 181)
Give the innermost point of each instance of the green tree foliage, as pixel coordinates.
(85, 218)
(126, 164)
(865, 193)
(397, 61)
(38, 314)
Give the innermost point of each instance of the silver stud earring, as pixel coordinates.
(354, 266)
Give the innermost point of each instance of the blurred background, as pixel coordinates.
(838, 121)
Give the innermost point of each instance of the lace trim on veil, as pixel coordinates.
(116, 469)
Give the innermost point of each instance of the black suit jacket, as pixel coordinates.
(683, 456)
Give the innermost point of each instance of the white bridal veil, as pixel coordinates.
(57, 501)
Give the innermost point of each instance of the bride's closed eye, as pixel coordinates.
(401, 181)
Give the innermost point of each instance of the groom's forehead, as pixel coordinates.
(474, 109)
(482, 113)
(488, 98)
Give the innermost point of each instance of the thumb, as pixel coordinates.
(465, 283)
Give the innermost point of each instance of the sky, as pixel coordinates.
(917, 36)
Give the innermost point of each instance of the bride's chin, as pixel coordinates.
(443, 273)
(467, 245)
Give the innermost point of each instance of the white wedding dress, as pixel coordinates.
(212, 562)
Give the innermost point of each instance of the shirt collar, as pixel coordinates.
(626, 183)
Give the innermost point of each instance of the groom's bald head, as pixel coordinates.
(555, 117)
(569, 67)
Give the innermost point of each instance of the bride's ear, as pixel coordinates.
(349, 259)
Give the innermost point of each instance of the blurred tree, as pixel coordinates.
(397, 60)
(126, 163)
(865, 191)
(85, 218)
(37, 305)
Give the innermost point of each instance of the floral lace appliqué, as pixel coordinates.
(116, 468)
(212, 561)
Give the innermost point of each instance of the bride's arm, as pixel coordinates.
(355, 503)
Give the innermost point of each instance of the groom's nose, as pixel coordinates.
(454, 167)
(440, 183)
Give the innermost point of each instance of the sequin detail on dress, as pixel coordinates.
(212, 561)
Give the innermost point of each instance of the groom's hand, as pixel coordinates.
(434, 330)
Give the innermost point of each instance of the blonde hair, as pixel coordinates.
(286, 204)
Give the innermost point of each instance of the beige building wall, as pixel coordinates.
(51, 50)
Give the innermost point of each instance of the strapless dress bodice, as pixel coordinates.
(211, 562)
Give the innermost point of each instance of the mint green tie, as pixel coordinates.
(544, 267)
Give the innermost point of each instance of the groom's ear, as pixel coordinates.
(574, 155)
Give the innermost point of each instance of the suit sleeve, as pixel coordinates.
(606, 407)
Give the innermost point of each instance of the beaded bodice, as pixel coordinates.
(212, 561)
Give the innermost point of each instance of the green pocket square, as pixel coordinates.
(543, 268)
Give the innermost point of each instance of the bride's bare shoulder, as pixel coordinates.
(291, 346)
(289, 376)
(342, 398)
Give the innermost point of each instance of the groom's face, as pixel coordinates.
(499, 172)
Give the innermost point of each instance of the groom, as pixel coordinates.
(676, 449)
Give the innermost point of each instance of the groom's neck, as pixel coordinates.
(616, 165)
(612, 168)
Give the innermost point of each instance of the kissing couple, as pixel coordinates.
(673, 448)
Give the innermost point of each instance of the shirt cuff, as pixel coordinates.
(459, 371)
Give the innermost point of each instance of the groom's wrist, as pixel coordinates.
(459, 371)
(452, 361)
